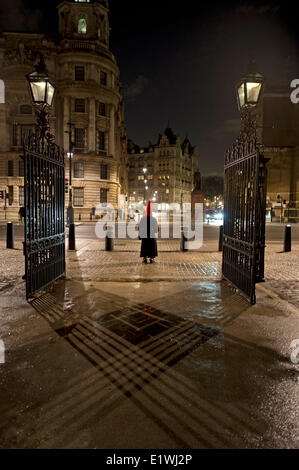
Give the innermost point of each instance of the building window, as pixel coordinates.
(82, 26)
(21, 168)
(21, 196)
(102, 109)
(79, 73)
(10, 195)
(79, 170)
(102, 141)
(103, 78)
(25, 109)
(79, 138)
(79, 106)
(141, 178)
(10, 168)
(104, 196)
(78, 197)
(104, 172)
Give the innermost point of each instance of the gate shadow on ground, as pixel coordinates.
(133, 349)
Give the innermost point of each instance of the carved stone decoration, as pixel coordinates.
(22, 55)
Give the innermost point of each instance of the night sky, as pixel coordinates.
(180, 61)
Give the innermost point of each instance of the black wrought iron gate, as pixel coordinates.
(44, 188)
(244, 216)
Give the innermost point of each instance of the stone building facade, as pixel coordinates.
(170, 167)
(89, 96)
(278, 132)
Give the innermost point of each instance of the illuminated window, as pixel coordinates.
(82, 26)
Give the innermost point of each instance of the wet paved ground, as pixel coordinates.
(167, 360)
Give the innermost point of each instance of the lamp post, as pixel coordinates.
(42, 90)
(70, 210)
(248, 94)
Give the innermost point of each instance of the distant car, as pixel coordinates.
(212, 216)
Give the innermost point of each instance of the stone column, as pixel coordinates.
(92, 125)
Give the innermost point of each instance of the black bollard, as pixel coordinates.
(10, 239)
(220, 238)
(288, 239)
(72, 238)
(184, 239)
(109, 240)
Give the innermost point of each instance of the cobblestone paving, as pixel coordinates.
(92, 263)
(281, 266)
(286, 290)
(12, 266)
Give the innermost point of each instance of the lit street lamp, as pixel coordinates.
(248, 95)
(70, 210)
(145, 187)
(42, 89)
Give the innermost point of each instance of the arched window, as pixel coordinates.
(2, 92)
(82, 26)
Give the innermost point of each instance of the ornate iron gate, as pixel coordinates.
(244, 216)
(44, 245)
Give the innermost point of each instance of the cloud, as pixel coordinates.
(15, 16)
(229, 128)
(136, 88)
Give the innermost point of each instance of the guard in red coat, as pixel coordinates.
(148, 233)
